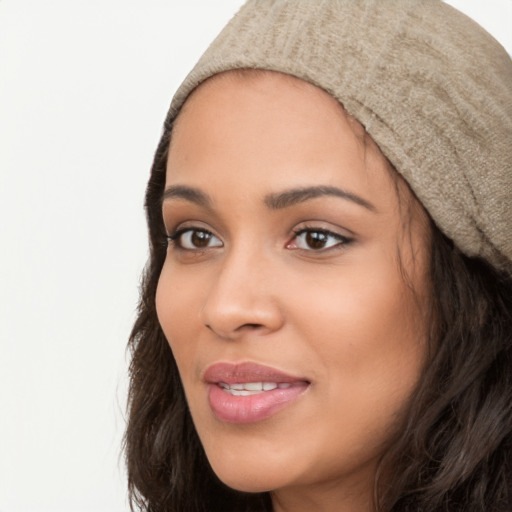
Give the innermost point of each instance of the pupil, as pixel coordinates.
(200, 238)
(315, 239)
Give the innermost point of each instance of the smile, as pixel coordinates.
(252, 388)
(248, 392)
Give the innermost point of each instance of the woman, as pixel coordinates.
(326, 317)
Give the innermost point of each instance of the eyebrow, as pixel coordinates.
(274, 201)
(299, 195)
(194, 195)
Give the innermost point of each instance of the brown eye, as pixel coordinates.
(200, 238)
(192, 239)
(317, 240)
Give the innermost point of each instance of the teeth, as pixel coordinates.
(252, 388)
(242, 392)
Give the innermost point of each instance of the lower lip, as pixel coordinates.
(249, 409)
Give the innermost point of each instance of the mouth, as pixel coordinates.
(254, 388)
(249, 392)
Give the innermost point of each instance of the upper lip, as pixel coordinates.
(232, 373)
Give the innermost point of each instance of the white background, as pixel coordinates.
(84, 88)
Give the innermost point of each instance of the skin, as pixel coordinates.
(343, 315)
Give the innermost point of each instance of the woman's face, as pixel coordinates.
(283, 297)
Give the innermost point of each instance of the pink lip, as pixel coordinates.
(248, 409)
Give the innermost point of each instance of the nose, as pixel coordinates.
(243, 298)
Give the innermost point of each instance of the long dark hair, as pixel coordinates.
(454, 452)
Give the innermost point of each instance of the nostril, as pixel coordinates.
(249, 327)
(239, 329)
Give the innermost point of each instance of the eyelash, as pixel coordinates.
(341, 240)
(175, 238)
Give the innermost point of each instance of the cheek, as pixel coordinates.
(368, 337)
(357, 303)
(177, 304)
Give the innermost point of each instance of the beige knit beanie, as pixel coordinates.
(431, 87)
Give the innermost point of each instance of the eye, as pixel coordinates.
(190, 239)
(314, 239)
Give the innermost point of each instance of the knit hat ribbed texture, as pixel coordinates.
(431, 87)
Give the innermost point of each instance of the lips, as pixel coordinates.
(249, 392)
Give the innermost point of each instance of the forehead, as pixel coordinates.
(270, 84)
(284, 94)
(283, 131)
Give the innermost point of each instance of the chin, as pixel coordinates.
(250, 479)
